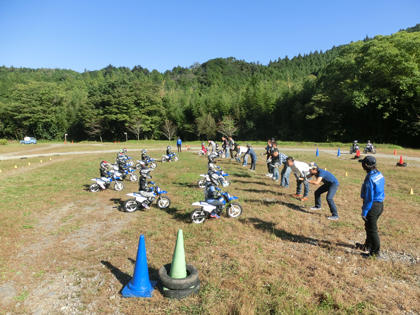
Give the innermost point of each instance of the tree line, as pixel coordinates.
(368, 89)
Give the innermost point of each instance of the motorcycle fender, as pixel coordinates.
(163, 192)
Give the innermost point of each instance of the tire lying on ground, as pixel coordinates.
(190, 282)
(179, 294)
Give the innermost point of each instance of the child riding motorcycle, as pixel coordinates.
(212, 193)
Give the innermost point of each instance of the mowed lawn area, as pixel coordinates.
(64, 250)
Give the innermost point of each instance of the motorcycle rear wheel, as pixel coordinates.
(234, 210)
(198, 216)
(94, 188)
(130, 205)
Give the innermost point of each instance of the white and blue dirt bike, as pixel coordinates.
(103, 183)
(201, 214)
(154, 193)
(169, 158)
(149, 163)
(221, 178)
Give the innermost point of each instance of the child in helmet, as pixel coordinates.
(105, 168)
(143, 188)
(212, 195)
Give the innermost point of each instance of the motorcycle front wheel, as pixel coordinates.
(153, 165)
(163, 159)
(94, 188)
(118, 186)
(163, 202)
(130, 205)
(198, 216)
(133, 177)
(201, 183)
(234, 210)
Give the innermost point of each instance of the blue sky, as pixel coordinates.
(160, 35)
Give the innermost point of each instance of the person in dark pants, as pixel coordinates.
(330, 185)
(253, 156)
(373, 195)
(179, 144)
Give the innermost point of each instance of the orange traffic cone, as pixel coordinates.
(395, 151)
(357, 156)
(401, 162)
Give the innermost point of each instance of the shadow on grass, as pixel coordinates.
(240, 174)
(118, 202)
(250, 182)
(253, 190)
(124, 278)
(268, 226)
(86, 187)
(184, 184)
(268, 202)
(178, 215)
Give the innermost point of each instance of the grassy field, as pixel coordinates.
(64, 250)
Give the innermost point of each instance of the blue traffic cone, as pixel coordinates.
(139, 285)
(339, 152)
(317, 152)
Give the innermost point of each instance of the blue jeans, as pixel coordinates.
(332, 189)
(299, 187)
(276, 173)
(285, 174)
(245, 160)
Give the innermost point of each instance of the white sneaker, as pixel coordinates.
(315, 208)
(269, 175)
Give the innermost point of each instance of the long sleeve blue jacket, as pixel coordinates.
(373, 190)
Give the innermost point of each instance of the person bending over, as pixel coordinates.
(330, 185)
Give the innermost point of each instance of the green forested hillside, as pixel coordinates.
(366, 90)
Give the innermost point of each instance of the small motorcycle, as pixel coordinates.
(154, 193)
(150, 163)
(169, 158)
(103, 183)
(221, 178)
(201, 214)
(354, 148)
(369, 149)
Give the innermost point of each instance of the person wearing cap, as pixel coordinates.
(373, 195)
(301, 171)
(253, 156)
(330, 185)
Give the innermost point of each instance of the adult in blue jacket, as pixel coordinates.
(373, 195)
(179, 144)
(253, 156)
(330, 185)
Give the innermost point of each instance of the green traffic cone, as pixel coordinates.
(178, 266)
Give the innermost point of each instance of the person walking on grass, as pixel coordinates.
(373, 195)
(330, 185)
(179, 144)
(301, 171)
(212, 146)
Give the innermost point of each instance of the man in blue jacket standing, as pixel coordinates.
(373, 195)
(179, 144)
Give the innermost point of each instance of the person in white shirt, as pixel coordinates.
(301, 171)
(212, 146)
(240, 153)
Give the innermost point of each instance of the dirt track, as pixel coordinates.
(14, 156)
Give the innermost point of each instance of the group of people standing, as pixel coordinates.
(372, 192)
